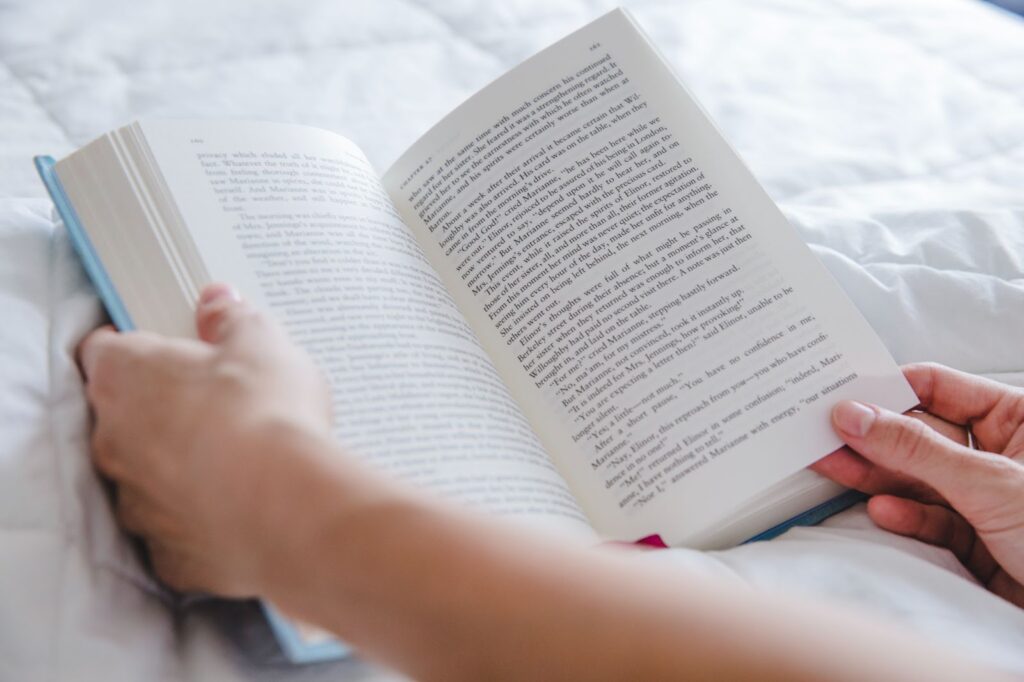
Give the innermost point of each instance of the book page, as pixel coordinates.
(674, 343)
(296, 218)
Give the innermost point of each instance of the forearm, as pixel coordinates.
(443, 595)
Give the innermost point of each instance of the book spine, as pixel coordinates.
(45, 165)
(812, 516)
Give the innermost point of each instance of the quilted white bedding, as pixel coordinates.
(890, 131)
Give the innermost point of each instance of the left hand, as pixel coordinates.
(926, 484)
(192, 434)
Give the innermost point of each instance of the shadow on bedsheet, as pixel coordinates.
(243, 625)
(1015, 6)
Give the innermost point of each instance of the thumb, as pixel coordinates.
(966, 478)
(220, 313)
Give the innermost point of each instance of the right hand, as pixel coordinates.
(195, 434)
(927, 486)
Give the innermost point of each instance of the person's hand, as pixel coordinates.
(187, 431)
(926, 485)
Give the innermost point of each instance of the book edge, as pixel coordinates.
(286, 634)
(464, 104)
(812, 516)
(46, 167)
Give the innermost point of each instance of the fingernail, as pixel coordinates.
(854, 418)
(218, 292)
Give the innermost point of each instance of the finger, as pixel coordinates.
(89, 348)
(104, 454)
(955, 396)
(172, 567)
(1006, 586)
(929, 523)
(215, 303)
(994, 411)
(954, 432)
(935, 525)
(222, 315)
(109, 359)
(908, 447)
(166, 564)
(847, 468)
(131, 510)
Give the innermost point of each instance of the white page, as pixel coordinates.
(671, 339)
(296, 219)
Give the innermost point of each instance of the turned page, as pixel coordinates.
(672, 341)
(296, 218)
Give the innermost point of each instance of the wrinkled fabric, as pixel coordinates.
(890, 132)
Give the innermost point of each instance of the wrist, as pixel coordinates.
(312, 497)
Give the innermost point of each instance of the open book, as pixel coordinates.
(568, 302)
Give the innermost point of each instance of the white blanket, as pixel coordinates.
(890, 131)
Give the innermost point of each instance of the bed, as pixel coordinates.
(891, 132)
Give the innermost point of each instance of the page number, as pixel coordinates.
(595, 46)
(196, 140)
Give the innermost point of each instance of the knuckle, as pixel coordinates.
(1015, 406)
(139, 350)
(115, 358)
(910, 439)
(232, 376)
(921, 376)
(221, 317)
(212, 315)
(254, 319)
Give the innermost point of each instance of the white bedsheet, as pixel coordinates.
(890, 131)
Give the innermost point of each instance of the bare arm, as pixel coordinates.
(445, 595)
(224, 463)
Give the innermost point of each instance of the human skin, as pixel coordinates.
(224, 464)
(926, 486)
